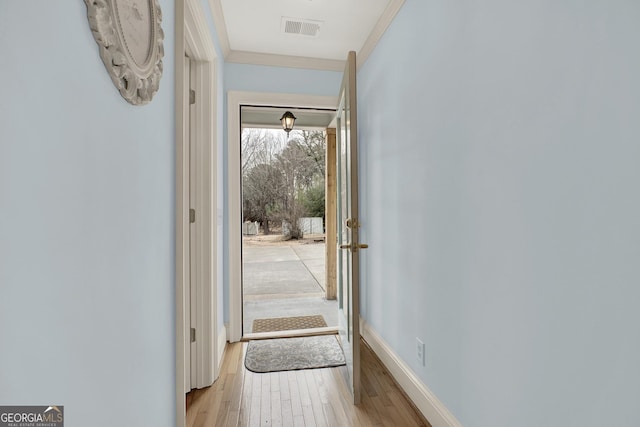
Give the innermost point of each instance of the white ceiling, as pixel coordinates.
(251, 31)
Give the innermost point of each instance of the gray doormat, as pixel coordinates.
(290, 354)
(288, 323)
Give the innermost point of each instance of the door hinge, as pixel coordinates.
(193, 334)
(192, 96)
(192, 215)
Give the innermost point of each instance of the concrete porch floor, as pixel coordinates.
(283, 279)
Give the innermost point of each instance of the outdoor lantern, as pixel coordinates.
(287, 119)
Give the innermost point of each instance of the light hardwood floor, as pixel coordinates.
(312, 397)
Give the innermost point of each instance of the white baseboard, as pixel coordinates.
(424, 399)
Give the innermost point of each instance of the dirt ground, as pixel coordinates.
(280, 240)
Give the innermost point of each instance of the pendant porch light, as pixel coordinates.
(288, 119)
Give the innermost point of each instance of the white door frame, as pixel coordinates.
(194, 39)
(236, 99)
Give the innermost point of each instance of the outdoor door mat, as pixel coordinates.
(290, 354)
(288, 323)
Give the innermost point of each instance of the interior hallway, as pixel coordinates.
(312, 397)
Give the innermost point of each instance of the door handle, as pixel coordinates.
(354, 248)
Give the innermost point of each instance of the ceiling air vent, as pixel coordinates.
(301, 27)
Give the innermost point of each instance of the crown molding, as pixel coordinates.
(257, 58)
(378, 31)
(221, 27)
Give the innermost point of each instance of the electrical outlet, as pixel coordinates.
(420, 351)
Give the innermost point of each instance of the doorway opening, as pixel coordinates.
(344, 135)
(236, 101)
(283, 180)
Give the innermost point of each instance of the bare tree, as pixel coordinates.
(262, 189)
(302, 164)
(280, 174)
(261, 181)
(260, 146)
(313, 143)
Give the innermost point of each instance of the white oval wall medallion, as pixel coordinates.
(130, 37)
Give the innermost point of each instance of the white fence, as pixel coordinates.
(250, 228)
(311, 225)
(307, 226)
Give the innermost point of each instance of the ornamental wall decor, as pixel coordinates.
(130, 39)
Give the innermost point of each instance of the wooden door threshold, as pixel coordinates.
(329, 330)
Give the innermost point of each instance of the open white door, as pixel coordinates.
(348, 245)
(196, 188)
(193, 287)
(188, 247)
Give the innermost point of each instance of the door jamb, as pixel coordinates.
(330, 192)
(236, 99)
(192, 37)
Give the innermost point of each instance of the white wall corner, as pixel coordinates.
(222, 346)
(427, 403)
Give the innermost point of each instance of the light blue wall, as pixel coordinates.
(86, 225)
(500, 147)
(258, 78)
